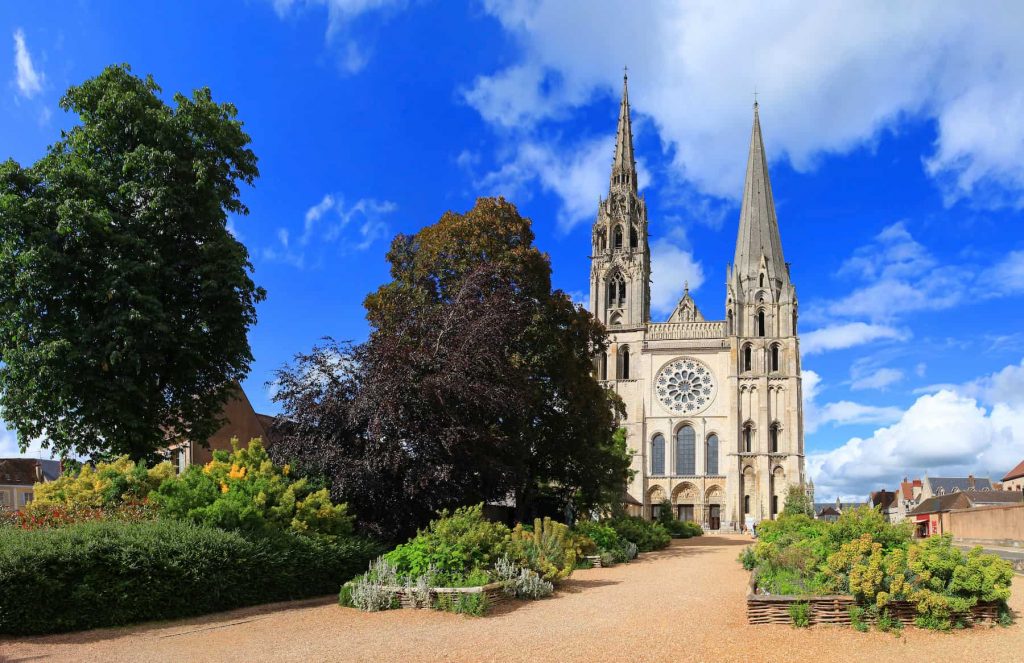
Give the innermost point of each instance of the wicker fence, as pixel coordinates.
(767, 609)
(407, 597)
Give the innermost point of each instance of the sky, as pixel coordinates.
(895, 133)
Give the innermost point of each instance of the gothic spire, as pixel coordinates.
(758, 236)
(624, 165)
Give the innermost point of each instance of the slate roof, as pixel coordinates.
(942, 485)
(1016, 472)
(967, 499)
(883, 498)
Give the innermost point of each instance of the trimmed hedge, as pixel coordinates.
(112, 573)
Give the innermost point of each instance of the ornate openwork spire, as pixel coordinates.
(758, 236)
(624, 165)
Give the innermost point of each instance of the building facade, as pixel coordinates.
(18, 477)
(713, 407)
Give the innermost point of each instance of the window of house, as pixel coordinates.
(658, 454)
(711, 455)
(686, 450)
(26, 498)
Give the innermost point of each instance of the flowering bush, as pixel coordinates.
(106, 484)
(548, 548)
(245, 491)
(48, 514)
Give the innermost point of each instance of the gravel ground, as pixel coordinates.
(681, 604)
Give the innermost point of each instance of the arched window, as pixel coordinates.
(711, 455)
(748, 438)
(658, 454)
(604, 242)
(618, 238)
(775, 358)
(748, 358)
(746, 504)
(762, 280)
(624, 355)
(602, 369)
(633, 241)
(616, 288)
(773, 438)
(760, 322)
(622, 292)
(686, 451)
(730, 323)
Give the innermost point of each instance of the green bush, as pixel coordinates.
(607, 540)
(104, 485)
(96, 574)
(682, 529)
(645, 534)
(451, 546)
(747, 558)
(800, 613)
(547, 548)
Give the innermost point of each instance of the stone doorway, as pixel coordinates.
(714, 517)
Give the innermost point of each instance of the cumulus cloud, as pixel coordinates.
(844, 335)
(28, 79)
(839, 413)
(353, 55)
(974, 428)
(832, 79)
(672, 267)
(577, 176)
(878, 379)
(331, 222)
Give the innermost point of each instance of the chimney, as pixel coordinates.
(39, 472)
(970, 481)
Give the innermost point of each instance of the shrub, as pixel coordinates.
(104, 485)
(682, 529)
(521, 583)
(604, 536)
(800, 613)
(452, 546)
(608, 559)
(373, 590)
(245, 491)
(547, 549)
(747, 558)
(96, 574)
(465, 604)
(857, 618)
(55, 514)
(645, 534)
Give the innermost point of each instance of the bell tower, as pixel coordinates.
(620, 272)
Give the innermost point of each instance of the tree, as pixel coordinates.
(476, 384)
(124, 299)
(798, 502)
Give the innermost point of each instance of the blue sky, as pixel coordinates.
(895, 135)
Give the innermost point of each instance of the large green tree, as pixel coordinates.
(476, 384)
(124, 300)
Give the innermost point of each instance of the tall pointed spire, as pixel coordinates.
(758, 236)
(624, 165)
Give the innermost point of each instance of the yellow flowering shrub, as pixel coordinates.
(106, 484)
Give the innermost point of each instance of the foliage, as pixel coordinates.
(800, 613)
(105, 485)
(547, 548)
(521, 582)
(857, 620)
(373, 590)
(125, 302)
(116, 572)
(798, 502)
(474, 604)
(603, 535)
(748, 559)
(451, 546)
(645, 534)
(48, 515)
(245, 491)
(476, 382)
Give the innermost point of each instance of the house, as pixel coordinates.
(832, 510)
(19, 475)
(907, 498)
(885, 502)
(1014, 479)
(930, 516)
(240, 421)
(933, 486)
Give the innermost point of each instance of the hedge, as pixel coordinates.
(111, 573)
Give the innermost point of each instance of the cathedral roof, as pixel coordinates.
(624, 163)
(759, 228)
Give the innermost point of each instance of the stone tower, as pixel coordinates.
(761, 321)
(620, 294)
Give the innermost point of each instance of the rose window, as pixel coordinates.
(685, 386)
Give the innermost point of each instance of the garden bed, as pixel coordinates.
(835, 609)
(412, 598)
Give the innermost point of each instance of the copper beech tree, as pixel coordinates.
(475, 384)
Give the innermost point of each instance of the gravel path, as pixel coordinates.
(681, 604)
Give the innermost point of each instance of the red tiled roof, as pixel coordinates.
(1016, 472)
(907, 489)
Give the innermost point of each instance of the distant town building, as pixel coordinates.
(1014, 479)
(928, 517)
(907, 498)
(934, 486)
(18, 476)
(831, 511)
(885, 502)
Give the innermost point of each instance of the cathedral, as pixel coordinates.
(714, 412)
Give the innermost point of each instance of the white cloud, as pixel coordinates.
(847, 335)
(341, 14)
(578, 176)
(945, 433)
(671, 268)
(28, 79)
(839, 413)
(832, 78)
(878, 379)
(328, 223)
(1006, 277)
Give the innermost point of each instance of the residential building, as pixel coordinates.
(1014, 479)
(713, 407)
(907, 498)
(18, 477)
(930, 516)
(933, 486)
(885, 502)
(832, 510)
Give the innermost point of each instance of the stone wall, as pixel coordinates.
(992, 525)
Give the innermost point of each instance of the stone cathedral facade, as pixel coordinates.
(713, 407)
